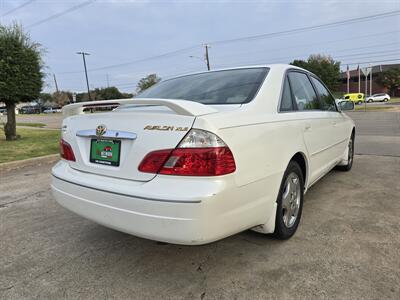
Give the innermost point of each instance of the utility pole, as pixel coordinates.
(206, 46)
(55, 82)
(370, 81)
(108, 81)
(84, 64)
(366, 91)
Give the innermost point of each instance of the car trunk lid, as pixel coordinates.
(128, 137)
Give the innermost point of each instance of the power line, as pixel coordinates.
(384, 52)
(266, 51)
(373, 56)
(321, 43)
(273, 60)
(371, 62)
(361, 55)
(131, 85)
(267, 35)
(302, 29)
(164, 55)
(287, 58)
(57, 15)
(18, 7)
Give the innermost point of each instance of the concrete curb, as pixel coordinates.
(52, 158)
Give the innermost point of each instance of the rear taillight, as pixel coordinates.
(201, 153)
(66, 151)
(199, 162)
(154, 161)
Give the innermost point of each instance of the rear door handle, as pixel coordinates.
(307, 127)
(334, 123)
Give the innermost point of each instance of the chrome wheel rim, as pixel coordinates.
(350, 152)
(291, 197)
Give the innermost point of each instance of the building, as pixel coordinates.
(376, 87)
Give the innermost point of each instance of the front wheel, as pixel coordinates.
(385, 100)
(350, 156)
(369, 100)
(359, 102)
(289, 202)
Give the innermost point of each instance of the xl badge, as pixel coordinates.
(101, 130)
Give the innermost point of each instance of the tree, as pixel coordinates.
(108, 93)
(46, 97)
(21, 78)
(62, 98)
(390, 79)
(324, 67)
(147, 82)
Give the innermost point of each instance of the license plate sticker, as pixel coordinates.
(105, 152)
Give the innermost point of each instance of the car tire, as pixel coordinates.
(350, 157)
(370, 100)
(289, 202)
(385, 100)
(359, 102)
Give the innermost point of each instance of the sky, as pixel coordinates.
(128, 40)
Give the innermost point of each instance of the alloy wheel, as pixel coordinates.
(291, 198)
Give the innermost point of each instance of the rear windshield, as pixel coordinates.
(236, 86)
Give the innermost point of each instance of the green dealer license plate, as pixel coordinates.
(105, 152)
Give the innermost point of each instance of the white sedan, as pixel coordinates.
(203, 156)
(52, 110)
(378, 98)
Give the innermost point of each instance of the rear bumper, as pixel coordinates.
(198, 211)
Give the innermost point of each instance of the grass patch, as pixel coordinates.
(33, 143)
(394, 100)
(372, 108)
(31, 124)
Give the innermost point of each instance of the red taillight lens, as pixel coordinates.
(153, 161)
(212, 161)
(66, 151)
(199, 162)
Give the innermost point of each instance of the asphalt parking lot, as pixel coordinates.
(378, 133)
(347, 245)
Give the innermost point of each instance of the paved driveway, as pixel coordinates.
(51, 120)
(347, 246)
(377, 133)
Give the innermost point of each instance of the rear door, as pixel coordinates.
(316, 123)
(339, 133)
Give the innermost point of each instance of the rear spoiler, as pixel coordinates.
(181, 107)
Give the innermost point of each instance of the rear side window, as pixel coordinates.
(326, 99)
(235, 86)
(303, 92)
(286, 102)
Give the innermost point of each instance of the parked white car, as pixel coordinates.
(52, 110)
(203, 156)
(378, 98)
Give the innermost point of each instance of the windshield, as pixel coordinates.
(236, 86)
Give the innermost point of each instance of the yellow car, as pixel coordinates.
(357, 98)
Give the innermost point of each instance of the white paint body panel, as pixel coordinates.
(198, 210)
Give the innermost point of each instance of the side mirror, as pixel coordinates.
(346, 105)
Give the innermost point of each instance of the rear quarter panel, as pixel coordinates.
(261, 149)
